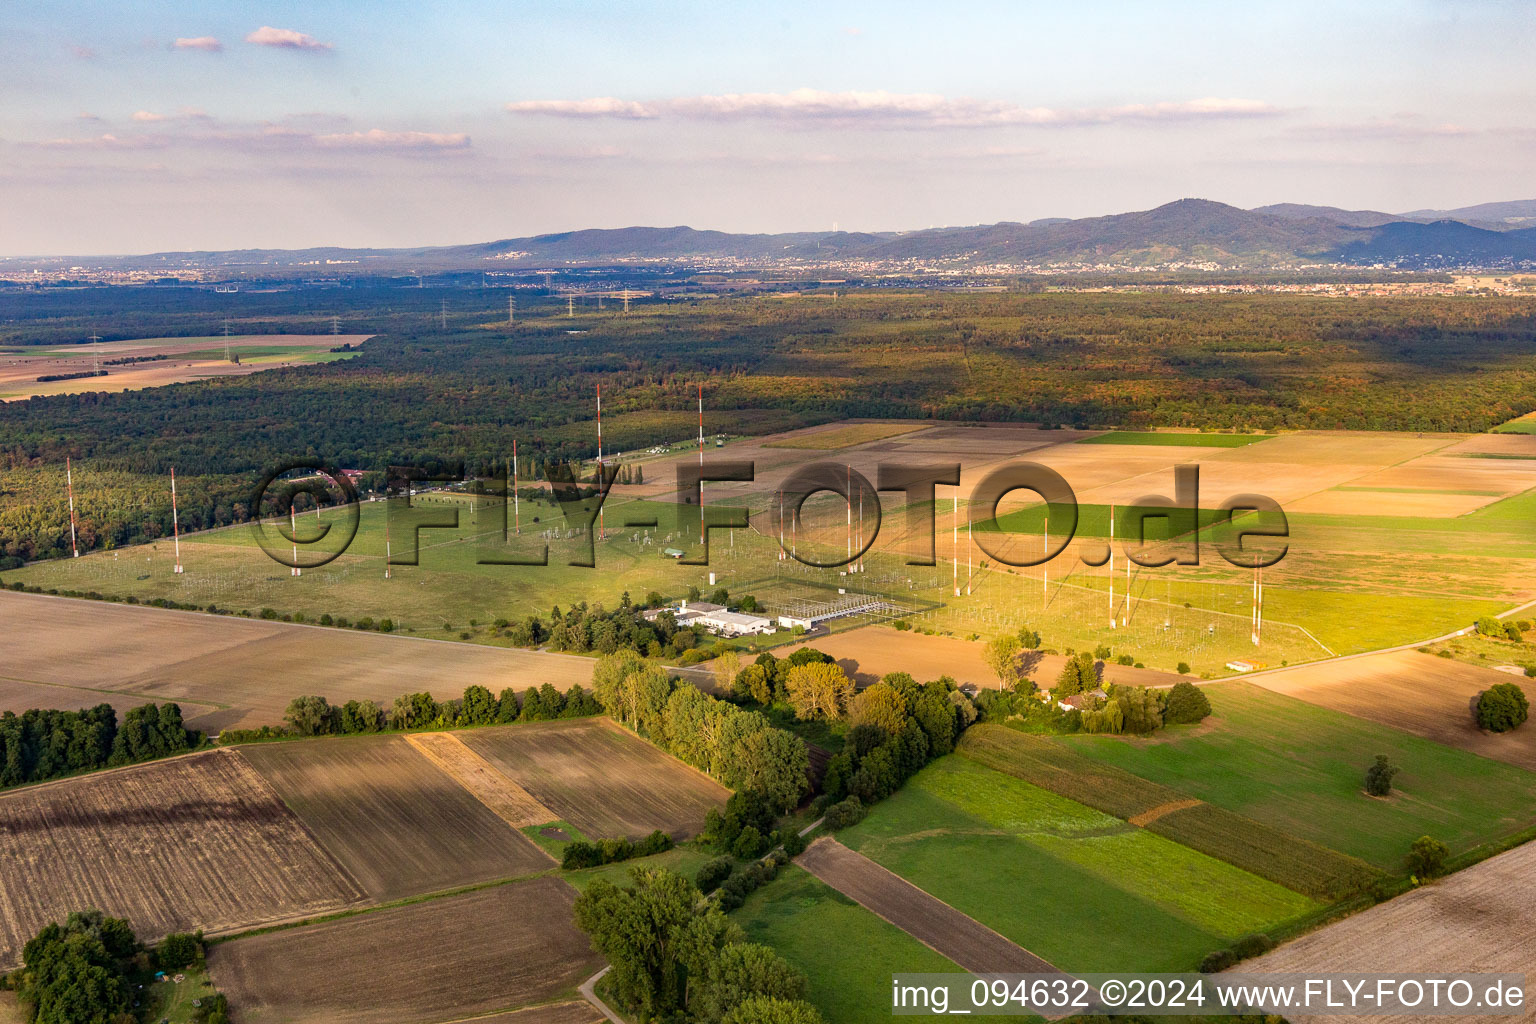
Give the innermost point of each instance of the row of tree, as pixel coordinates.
(316, 716)
(736, 746)
(39, 744)
(897, 726)
(677, 957)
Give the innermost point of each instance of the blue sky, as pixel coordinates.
(133, 126)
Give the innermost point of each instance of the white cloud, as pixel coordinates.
(206, 43)
(147, 116)
(599, 106)
(108, 141)
(882, 107)
(376, 138)
(286, 39)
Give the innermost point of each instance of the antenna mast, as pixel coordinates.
(570, 305)
(1111, 573)
(443, 316)
(511, 310)
(69, 486)
(96, 351)
(702, 529)
(293, 529)
(601, 529)
(176, 521)
(335, 325)
(517, 522)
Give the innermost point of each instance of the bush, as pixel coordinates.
(1378, 777)
(712, 873)
(1502, 707)
(1252, 945)
(1489, 626)
(844, 814)
(749, 843)
(1186, 703)
(1183, 668)
(1512, 632)
(178, 950)
(794, 842)
(1426, 857)
(1220, 960)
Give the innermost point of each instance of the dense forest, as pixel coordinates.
(421, 390)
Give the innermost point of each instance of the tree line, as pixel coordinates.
(41, 744)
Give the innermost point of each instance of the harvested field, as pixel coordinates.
(398, 823)
(19, 695)
(192, 842)
(1174, 438)
(1295, 863)
(510, 802)
(1480, 919)
(577, 1011)
(1418, 693)
(600, 778)
(222, 668)
(460, 956)
(162, 361)
(931, 921)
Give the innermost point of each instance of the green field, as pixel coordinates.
(846, 953)
(174, 1001)
(1301, 768)
(1174, 439)
(1082, 889)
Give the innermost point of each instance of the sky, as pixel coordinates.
(132, 126)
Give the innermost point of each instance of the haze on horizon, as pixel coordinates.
(134, 127)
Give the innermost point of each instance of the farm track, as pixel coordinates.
(926, 918)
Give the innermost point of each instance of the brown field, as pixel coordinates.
(239, 672)
(869, 652)
(1418, 693)
(506, 799)
(192, 842)
(446, 959)
(19, 370)
(1481, 919)
(845, 436)
(18, 695)
(603, 780)
(393, 818)
(927, 919)
(575, 1012)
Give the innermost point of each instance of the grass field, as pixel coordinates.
(1301, 768)
(605, 781)
(446, 959)
(172, 1001)
(830, 438)
(1179, 439)
(1080, 888)
(846, 953)
(392, 818)
(193, 842)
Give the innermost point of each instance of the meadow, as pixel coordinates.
(1301, 769)
(1080, 888)
(846, 953)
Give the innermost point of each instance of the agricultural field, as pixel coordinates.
(229, 672)
(1392, 539)
(392, 818)
(1429, 696)
(1481, 918)
(846, 953)
(845, 436)
(1305, 867)
(490, 950)
(1300, 768)
(1077, 887)
(603, 780)
(152, 362)
(199, 841)
(1171, 438)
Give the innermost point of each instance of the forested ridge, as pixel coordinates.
(418, 391)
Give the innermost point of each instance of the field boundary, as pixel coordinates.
(920, 914)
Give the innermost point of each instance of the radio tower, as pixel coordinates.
(570, 305)
(600, 528)
(954, 541)
(227, 357)
(702, 531)
(176, 521)
(386, 529)
(293, 529)
(69, 487)
(443, 316)
(96, 350)
(511, 310)
(517, 522)
(1111, 573)
(1045, 565)
(335, 325)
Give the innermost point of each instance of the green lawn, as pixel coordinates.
(1301, 769)
(685, 860)
(1172, 439)
(846, 953)
(173, 1001)
(1081, 888)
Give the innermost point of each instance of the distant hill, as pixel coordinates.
(1189, 233)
